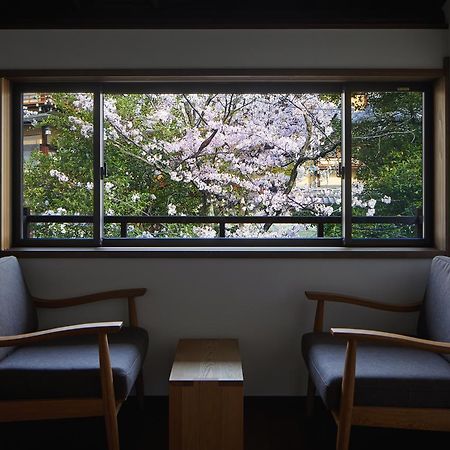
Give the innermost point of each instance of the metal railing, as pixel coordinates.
(222, 221)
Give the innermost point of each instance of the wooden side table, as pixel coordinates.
(206, 396)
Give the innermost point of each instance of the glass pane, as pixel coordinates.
(140, 230)
(57, 165)
(387, 177)
(277, 230)
(224, 155)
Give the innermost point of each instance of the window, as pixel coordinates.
(387, 159)
(223, 164)
(57, 142)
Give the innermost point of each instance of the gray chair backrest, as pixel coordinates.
(434, 320)
(17, 313)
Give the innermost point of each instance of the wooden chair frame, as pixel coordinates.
(388, 417)
(106, 405)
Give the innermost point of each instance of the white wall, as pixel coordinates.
(222, 48)
(259, 301)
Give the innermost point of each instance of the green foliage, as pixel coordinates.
(387, 151)
(140, 188)
(133, 186)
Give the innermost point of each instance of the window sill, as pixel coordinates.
(223, 252)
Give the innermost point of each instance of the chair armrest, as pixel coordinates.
(322, 297)
(340, 298)
(90, 298)
(53, 333)
(352, 334)
(129, 294)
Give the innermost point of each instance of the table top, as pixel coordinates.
(207, 360)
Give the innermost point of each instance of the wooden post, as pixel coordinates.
(5, 165)
(132, 313)
(108, 396)
(318, 328)
(133, 322)
(318, 321)
(347, 394)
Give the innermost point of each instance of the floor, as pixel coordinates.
(274, 423)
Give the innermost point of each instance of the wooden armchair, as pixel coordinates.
(83, 370)
(379, 379)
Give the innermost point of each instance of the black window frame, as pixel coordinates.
(98, 89)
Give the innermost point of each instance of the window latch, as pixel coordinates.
(103, 171)
(341, 170)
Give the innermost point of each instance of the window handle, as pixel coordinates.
(103, 171)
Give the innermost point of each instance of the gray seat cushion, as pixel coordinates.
(70, 367)
(17, 313)
(385, 375)
(434, 320)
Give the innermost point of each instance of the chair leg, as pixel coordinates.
(343, 433)
(139, 385)
(346, 406)
(108, 396)
(112, 430)
(310, 397)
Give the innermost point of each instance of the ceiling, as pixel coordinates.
(223, 14)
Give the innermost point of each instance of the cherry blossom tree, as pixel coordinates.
(244, 153)
(197, 154)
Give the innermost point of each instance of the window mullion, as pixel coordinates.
(347, 167)
(19, 232)
(427, 168)
(98, 167)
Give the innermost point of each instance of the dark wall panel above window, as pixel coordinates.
(222, 14)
